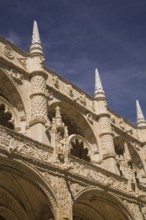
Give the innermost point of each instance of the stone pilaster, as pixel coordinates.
(107, 144)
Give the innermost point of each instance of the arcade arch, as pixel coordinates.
(24, 194)
(99, 205)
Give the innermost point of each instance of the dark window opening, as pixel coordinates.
(5, 118)
(79, 151)
(119, 150)
(71, 126)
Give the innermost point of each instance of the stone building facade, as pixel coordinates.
(64, 155)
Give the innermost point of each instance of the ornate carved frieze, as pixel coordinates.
(14, 143)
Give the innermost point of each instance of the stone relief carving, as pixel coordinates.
(12, 145)
(82, 99)
(124, 163)
(8, 51)
(135, 210)
(70, 90)
(56, 81)
(18, 77)
(76, 188)
(89, 117)
(23, 62)
(16, 145)
(60, 188)
(49, 95)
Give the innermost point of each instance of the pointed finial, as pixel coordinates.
(99, 91)
(35, 34)
(140, 117)
(36, 47)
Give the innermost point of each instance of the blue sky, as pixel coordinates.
(81, 35)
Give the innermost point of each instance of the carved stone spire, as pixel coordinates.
(99, 91)
(36, 47)
(140, 117)
(36, 35)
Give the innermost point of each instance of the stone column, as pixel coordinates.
(106, 135)
(38, 96)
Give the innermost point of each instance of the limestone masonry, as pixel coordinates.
(64, 155)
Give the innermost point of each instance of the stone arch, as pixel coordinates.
(77, 124)
(10, 92)
(76, 118)
(94, 203)
(135, 157)
(76, 141)
(11, 209)
(30, 174)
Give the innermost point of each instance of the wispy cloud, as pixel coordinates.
(14, 38)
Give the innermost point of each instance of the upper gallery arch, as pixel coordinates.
(11, 98)
(82, 141)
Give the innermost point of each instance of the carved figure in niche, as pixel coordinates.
(121, 165)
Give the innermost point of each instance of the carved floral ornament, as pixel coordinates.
(8, 51)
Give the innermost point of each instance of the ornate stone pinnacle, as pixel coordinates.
(140, 117)
(58, 117)
(35, 34)
(98, 85)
